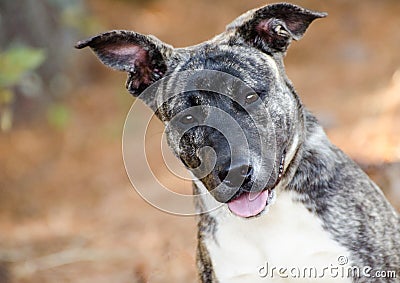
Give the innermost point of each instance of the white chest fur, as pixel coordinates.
(288, 236)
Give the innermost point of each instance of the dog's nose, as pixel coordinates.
(236, 175)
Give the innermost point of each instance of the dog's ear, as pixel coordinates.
(144, 57)
(272, 27)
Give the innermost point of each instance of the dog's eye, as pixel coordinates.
(250, 98)
(188, 119)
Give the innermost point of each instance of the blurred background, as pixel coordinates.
(67, 210)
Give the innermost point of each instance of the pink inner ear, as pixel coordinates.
(295, 27)
(137, 55)
(122, 50)
(262, 26)
(264, 29)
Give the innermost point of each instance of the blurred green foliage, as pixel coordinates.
(15, 63)
(36, 56)
(58, 115)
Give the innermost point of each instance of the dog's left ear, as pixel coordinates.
(144, 57)
(272, 27)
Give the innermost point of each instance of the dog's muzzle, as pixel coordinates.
(247, 203)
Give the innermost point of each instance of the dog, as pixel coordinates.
(287, 198)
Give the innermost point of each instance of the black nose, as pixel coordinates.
(236, 175)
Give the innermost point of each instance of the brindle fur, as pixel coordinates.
(330, 185)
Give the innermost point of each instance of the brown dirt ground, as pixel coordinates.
(67, 210)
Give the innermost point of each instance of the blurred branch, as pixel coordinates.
(29, 267)
(68, 256)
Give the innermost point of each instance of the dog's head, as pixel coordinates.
(230, 111)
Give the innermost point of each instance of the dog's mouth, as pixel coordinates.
(252, 204)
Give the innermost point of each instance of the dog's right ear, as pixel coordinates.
(144, 57)
(271, 28)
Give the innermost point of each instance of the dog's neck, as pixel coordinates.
(312, 138)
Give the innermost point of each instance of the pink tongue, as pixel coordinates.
(249, 204)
